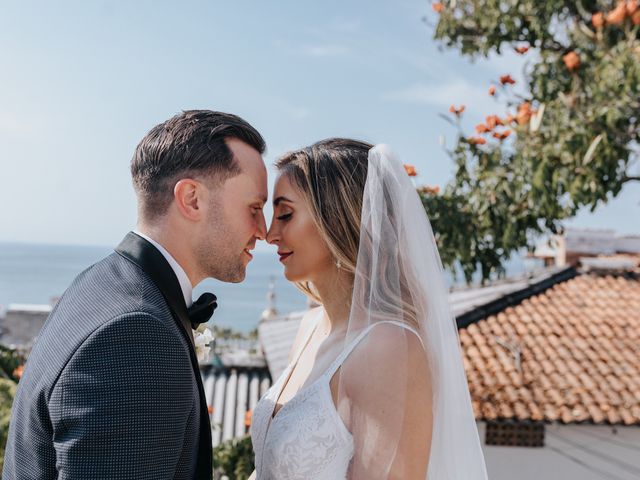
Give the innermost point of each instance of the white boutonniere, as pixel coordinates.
(202, 337)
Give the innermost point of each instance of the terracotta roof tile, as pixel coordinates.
(579, 354)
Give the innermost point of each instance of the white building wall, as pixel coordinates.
(581, 452)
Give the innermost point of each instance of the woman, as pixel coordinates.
(375, 387)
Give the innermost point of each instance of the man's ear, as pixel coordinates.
(188, 194)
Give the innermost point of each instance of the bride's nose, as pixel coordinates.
(272, 235)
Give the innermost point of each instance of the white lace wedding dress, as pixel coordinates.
(306, 440)
(399, 281)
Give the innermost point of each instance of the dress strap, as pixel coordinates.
(347, 351)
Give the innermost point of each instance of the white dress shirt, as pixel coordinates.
(183, 279)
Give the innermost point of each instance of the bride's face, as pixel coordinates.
(301, 248)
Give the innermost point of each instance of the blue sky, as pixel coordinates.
(82, 82)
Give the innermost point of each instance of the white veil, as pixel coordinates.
(403, 397)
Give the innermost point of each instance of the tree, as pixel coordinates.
(234, 458)
(7, 394)
(11, 364)
(570, 142)
(10, 371)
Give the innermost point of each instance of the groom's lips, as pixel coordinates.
(284, 255)
(248, 253)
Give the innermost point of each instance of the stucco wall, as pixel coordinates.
(584, 452)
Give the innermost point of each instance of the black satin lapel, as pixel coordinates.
(147, 257)
(141, 252)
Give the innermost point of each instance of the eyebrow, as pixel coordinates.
(259, 198)
(281, 199)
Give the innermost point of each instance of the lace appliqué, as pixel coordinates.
(305, 441)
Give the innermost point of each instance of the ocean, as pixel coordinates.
(36, 273)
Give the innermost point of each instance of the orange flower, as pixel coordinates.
(522, 50)
(437, 7)
(524, 113)
(493, 121)
(247, 418)
(457, 111)
(632, 7)
(482, 128)
(504, 79)
(501, 135)
(17, 372)
(616, 16)
(597, 19)
(492, 90)
(476, 140)
(410, 169)
(571, 60)
(210, 408)
(635, 18)
(428, 190)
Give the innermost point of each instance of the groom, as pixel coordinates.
(112, 388)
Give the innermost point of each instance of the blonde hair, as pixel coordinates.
(331, 175)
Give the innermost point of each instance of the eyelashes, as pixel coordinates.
(285, 217)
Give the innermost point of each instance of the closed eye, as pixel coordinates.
(286, 216)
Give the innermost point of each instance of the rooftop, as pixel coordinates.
(563, 346)
(569, 354)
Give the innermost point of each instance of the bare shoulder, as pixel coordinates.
(311, 315)
(391, 352)
(386, 338)
(306, 324)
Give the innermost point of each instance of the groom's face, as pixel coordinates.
(235, 221)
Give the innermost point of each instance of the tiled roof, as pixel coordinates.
(277, 335)
(569, 354)
(563, 347)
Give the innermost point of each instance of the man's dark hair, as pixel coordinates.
(191, 143)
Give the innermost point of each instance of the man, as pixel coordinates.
(112, 389)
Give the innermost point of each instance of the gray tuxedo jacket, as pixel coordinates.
(112, 389)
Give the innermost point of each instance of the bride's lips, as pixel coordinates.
(284, 255)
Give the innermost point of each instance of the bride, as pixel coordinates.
(375, 387)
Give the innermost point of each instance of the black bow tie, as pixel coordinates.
(202, 309)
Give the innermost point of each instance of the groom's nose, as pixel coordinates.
(261, 232)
